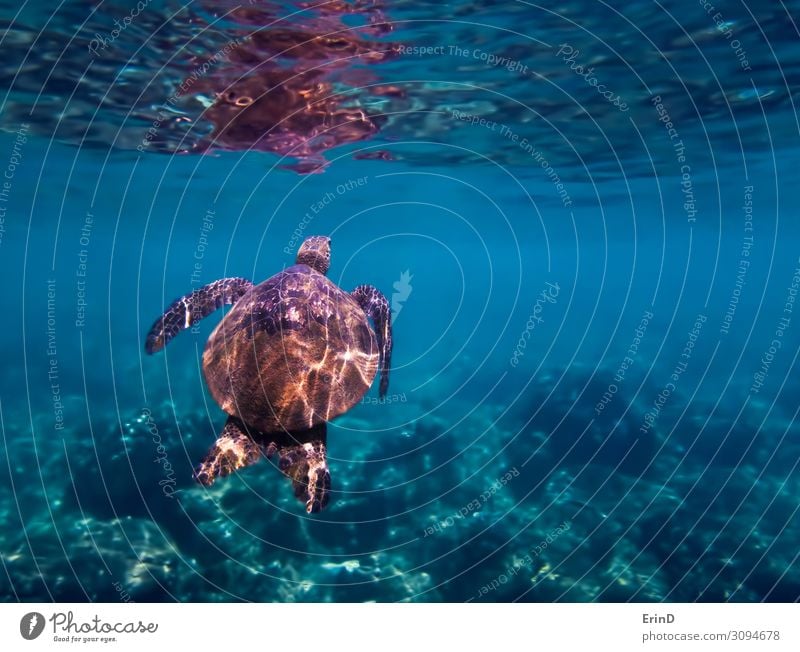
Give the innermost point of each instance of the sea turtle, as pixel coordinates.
(293, 353)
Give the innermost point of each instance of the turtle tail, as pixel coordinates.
(376, 306)
(191, 308)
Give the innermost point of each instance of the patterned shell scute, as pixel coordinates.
(293, 352)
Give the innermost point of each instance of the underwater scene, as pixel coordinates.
(400, 300)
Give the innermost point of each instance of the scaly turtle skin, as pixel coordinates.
(293, 353)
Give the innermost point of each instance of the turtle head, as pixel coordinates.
(316, 253)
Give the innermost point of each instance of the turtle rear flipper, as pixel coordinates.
(191, 308)
(375, 305)
(234, 449)
(302, 458)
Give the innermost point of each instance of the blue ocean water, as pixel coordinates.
(583, 216)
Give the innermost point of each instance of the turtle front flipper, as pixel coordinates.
(233, 450)
(375, 305)
(302, 458)
(191, 308)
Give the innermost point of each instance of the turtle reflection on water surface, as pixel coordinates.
(293, 353)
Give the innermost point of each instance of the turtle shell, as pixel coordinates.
(293, 352)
